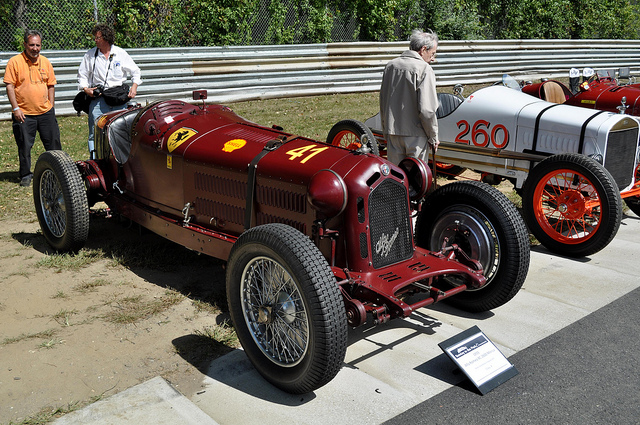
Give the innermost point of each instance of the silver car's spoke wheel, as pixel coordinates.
(274, 312)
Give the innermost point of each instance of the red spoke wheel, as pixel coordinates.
(449, 170)
(572, 205)
(352, 134)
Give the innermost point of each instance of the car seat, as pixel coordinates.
(447, 103)
(553, 92)
(120, 136)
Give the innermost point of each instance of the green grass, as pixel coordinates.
(63, 317)
(16, 202)
(92, 286)
(311, 117)
(223, 333)
(49, 333)
(130, 310)
(67, 261)
(306, 116)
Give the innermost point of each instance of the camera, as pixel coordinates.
(98, 90)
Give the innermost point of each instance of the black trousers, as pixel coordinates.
(25, 134)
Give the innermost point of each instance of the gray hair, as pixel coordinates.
(31, 33)
(420, 39)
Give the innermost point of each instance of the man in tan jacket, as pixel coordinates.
(408, 100)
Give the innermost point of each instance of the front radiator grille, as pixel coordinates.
(390, 231)
(621, 155)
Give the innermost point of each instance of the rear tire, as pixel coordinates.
(286, 307)
(60, 200)
(487, 226)
(352, 134)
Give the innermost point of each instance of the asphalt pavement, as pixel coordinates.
(571, 332)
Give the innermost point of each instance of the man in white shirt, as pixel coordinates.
(408, 100)
(105, 66)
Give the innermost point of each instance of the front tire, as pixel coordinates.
(286, 308)
(487, 226)
(352, 134)
(572, 205)
(60, 200)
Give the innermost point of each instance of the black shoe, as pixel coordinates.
(26, 180)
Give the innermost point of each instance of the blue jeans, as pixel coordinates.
(98, 107)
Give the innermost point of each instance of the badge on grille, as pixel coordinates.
(384, 244)
(385, 170)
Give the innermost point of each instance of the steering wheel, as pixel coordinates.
(593, 78)
(509, 81)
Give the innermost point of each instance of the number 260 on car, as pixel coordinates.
(482, 134)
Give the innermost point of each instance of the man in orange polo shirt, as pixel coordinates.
(31, 90)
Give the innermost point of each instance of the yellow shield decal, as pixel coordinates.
(234, 144)
(179, 137)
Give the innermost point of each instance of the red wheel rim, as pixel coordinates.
(567, 206)
(444, 166)
(347, 139)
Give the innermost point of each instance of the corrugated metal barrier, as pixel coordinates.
(258, 72)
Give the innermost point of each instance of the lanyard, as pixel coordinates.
(95, 57)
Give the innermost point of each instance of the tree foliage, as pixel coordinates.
(547, 19)
(66, 24)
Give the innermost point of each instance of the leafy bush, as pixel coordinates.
(575, 19)
(66, 24)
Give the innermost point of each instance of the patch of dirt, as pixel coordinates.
(70, 336)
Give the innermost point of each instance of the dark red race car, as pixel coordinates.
(602, 90)
(317, 238)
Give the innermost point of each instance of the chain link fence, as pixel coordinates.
(67, 24)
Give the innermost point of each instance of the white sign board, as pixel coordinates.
(479, 359)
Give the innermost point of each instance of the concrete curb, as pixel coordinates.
(152, 402)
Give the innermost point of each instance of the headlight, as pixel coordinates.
(327, 193)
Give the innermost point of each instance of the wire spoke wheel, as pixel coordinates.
(52, 204)
(286, 307)
(347, 139)
(352, 134)
(571, 204)
(567, 206)
(274, 311)
(60, 199)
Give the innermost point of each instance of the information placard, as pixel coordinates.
(479, 359)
